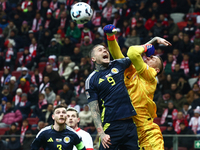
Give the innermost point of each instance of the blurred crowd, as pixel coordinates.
(44, 60)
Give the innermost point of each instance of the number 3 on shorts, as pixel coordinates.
(59, 146)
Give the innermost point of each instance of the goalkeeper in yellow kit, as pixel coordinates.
(140, 81)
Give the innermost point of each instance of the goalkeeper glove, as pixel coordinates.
(110, 32)
(149, 49)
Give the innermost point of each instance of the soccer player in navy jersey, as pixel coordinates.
(58, 136)
(110, 103)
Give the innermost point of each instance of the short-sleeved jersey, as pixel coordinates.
(107, 86)
(141, 87)
(86, 138)
(50, 139)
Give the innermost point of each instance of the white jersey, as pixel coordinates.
(195, 123)
(86, 138)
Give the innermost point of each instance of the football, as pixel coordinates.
(81, 13)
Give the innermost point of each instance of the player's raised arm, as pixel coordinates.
(159, 40)
(112, 43)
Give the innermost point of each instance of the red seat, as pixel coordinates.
(32, 121)
(42, 65)
(1, 73)
(157, 120)
(59, 91)
(3, 130)
(17, 74)
(162, 128)
(182, 148)
(181, 25)
(19, 54)
(31, 73)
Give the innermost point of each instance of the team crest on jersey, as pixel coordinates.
(87, 94)
(66, 139)
(114, 70)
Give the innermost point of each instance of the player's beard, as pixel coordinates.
(59, 122)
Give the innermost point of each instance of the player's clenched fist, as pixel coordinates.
(110, 32)
(149, 49)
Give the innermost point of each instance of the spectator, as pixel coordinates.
(25, 75)
(187, 45)
(190, 28)
(80, 89)
(66, 67)
(5, 93)
(196, 101)
(66, 94)
(4, 22)
(50, 96)
(162, 102)
(187, 65)
(74, 105)
(14, 143)
(177, 55)
(190, 94)
(36, 78)
(11, 27)
(5, 79)
(187, 111)
(178, 120)
(108, 12)
(178, 72)
(96, 19)
(9, 54)
(68, 48)
(13, 130)
(173, 28)
(23, 32)
(17, 97)
(169, 114)
(10, 116)
(125, 29)
(75, 75)
(169, 64)
(47, 115)
(158, 28)
(97, 39)
(86, 32)
(194, 122)
(73, 32)
(24, 85)
(187, 142)
(177, 43)
(132, 39)
(41, 106)
(86, 46)
(58, 13)
(197, 37)
(84, 65)
(195, 56)
(33, 94)
(85, 116)
(174, 89)
(57, 101)
(150, 22)
(44, 84)
(25, 127)
(179, 100)
(3, 104)
(46, 39)
(52, 62)
(49, 22)
(25, 60)
(53, 49)
(37, 21)
(24, 106)
(12, 85)
(33, 48)
(44, 8)
(76, 57)
(28, 139)
(54, 77)
(168, 141)
(183, 85)
(40, 126)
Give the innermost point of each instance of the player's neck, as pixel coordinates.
(101, 66)
(76, 128)
(59, 127)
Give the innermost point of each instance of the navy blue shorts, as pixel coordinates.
(123, 135)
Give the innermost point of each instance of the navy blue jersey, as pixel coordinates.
(107, 86)
(50, 139)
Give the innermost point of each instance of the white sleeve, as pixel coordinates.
(87, 140)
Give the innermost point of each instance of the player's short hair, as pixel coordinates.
(160, 66)
(58, 106)
(73, 109)
(92, 50)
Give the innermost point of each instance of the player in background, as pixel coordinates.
(140, 80)
(110, 103)
(58, 136)
(72, 121)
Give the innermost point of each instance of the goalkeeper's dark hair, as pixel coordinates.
(160, 66)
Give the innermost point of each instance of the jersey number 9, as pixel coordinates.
(111, 80)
